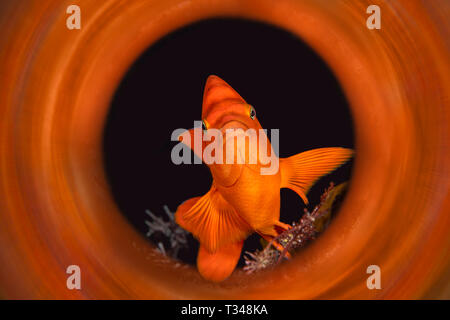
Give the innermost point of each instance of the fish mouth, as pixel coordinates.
(233, 124)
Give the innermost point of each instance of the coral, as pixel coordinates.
(306, 229)
(261, 260)
(175, 236)
(170, 238)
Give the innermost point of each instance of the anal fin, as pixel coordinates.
(212, 220)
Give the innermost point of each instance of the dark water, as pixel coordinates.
(291, 88)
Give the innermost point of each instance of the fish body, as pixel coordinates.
(242, 200)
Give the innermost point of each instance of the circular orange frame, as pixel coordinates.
(56, 209)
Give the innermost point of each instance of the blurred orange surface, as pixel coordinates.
(55, 205)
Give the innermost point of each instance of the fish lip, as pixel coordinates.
(244, 125)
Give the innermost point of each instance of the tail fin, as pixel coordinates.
(219, 265)
(301, 171)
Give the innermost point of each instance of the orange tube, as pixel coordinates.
(55, 206)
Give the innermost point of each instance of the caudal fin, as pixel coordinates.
(301, 171)
(219, 265)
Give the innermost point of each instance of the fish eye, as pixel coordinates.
(252, 113)
(204, 127)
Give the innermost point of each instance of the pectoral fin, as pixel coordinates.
(301, 171)
(212, 220)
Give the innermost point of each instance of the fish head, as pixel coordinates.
(223, 108)
(230, 132)
(226, 113)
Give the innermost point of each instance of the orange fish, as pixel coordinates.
(241, 199)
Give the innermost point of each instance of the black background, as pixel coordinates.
(291, 88)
